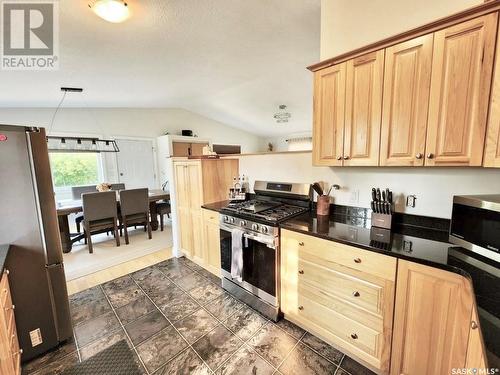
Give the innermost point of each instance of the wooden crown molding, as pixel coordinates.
(442, 23)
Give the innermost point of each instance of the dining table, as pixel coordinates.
(68, 207)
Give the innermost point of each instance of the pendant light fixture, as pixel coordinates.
(114, 11)
(77, 144)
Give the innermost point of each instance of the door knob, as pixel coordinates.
(339, 157)
(357, 260)
(301, 308)
(301, 272)
(301, 243)
(419, 156)
(346, 157)
(473, 325)
(430, 155)
(354, 336)
(121, 174)
(356, 294)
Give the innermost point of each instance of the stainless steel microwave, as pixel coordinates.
(475, 224)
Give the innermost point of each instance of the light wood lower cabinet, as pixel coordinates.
(10, 354)
(211, 241)
(342, 294)
(475, 350)
(431, 321)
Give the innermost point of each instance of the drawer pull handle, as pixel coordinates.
(13, 307)
(301, 308)
(473, 325)
(7, 272)
(356, 294)
(18, 352)
(301, 272)
(301, 243)
(357, 260)
(354, 336)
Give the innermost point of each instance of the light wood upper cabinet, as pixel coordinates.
(460, 88)
(492, 149)
(407, 81)
(363, 109)
(329, 105)
(431, 321)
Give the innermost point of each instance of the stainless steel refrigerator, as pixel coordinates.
(28, 222)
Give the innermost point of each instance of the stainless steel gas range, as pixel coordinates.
(255, 224)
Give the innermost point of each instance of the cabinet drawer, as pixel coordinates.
(329, 253)
(5, 298)
(210, 216)
(345, 329)
(361, 293)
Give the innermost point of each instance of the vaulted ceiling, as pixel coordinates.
(233, 61)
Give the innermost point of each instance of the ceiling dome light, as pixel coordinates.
(115, 11)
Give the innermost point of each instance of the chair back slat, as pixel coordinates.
(117, 187)
(98, 206)
(134, 201)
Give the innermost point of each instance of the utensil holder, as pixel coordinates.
(381, 220)
(323, 205)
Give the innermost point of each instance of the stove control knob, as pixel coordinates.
(231, 220)
(265, 229)
(243, 223)
(255, 226)
(226, 219)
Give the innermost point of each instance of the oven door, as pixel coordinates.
(260, 260)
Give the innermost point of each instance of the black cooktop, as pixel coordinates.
(264, 210)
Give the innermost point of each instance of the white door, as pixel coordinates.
(136, 167)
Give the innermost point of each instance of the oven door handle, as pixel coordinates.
(269, 242)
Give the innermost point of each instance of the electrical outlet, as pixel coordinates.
(354, 198)
(411, 201)
(36, 337)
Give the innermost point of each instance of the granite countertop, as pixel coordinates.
(4, 250)
(419, 245)
(216, 206)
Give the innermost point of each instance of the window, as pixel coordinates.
(75, 168)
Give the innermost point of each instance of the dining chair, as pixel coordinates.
(100, 214)
(134, 208)
(76, 193)
(163, 208)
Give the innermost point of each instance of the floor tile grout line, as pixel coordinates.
(318, 353)
(125, 331)
(176, 330)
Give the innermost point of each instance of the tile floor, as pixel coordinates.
(178, 320)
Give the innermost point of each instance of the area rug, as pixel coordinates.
(118, 359)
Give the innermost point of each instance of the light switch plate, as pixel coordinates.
(36, 337)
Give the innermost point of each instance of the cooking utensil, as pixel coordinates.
(317, 188)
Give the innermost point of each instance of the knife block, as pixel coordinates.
(381, 220)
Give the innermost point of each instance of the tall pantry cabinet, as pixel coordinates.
(199, 182)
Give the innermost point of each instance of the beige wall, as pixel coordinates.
(349, 24)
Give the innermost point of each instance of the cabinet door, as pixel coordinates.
(460, 88)
(329, 103)
(431, 323)
(363, 109)
(407, 81)
(186, 231)
(197, 235)
(181, 184)
(492, 150)
(475, 352)
(211, 241)
(194, 188)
